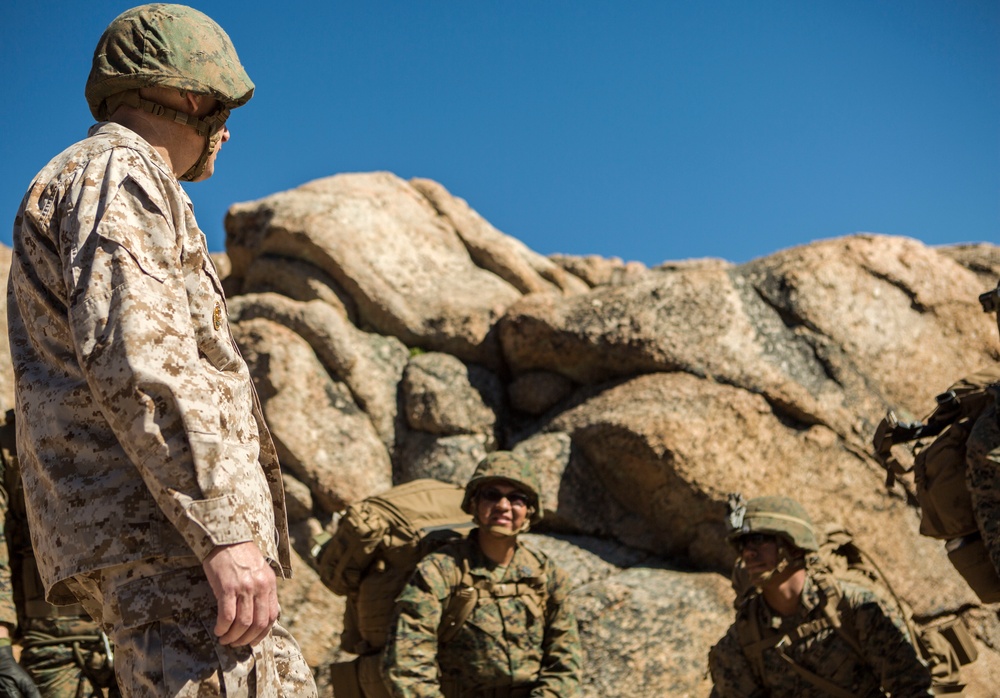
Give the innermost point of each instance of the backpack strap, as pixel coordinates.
(837, 611)
(815, 679)
(467, 591)
(460, 604)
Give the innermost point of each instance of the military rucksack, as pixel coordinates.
(375, 548)
(945, 646)
(939, 473)
(372, 554)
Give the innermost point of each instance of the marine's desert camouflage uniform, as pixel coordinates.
(502, 649)
(141, 441)
(889, 659)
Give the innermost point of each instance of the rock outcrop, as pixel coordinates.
(394, 333)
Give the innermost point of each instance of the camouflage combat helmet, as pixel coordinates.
(173, 46)
(506, 467)
(775, 515)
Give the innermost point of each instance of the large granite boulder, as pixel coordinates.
(393, 333)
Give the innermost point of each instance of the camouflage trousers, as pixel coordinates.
(160, 616)
(68, 658)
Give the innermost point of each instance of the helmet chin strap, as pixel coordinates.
(210, 127)
(785, 562)
(198, 169)
(505, 532)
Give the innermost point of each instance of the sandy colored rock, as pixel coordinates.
(447, 458)
(441, 395)
(405, 267)
(6, 368)
(534, 392)
(321, 434)
(369, 364)
(507, 257)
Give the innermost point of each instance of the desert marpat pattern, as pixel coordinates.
(501, 645)
(137, 422)
(889, 657)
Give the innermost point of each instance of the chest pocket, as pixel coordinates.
(486, 618)
(515, 606)
(207, 302)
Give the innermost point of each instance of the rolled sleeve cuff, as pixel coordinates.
(210, 523)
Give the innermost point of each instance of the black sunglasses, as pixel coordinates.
(754, 540)
(492, 495)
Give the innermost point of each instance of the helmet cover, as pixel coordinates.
(774, 515)
(163, 45)
(504, 466)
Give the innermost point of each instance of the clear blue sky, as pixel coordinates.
(647, 130)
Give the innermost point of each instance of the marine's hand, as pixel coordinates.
(14, 681)
(247, 592)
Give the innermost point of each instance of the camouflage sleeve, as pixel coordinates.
(562, 654)
(883, 636)
(731, 672)
(136, 343)
(410, 663)
(983, 476)
(8, 612)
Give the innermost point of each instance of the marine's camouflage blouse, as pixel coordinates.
(138, 430)
(889, 658)
(501, 644)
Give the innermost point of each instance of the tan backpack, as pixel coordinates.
(375, 548)
(939, 474)
(945, 646)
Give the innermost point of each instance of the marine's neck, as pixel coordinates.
(783, 592)
(497, 548)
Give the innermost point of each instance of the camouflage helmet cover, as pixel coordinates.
(168, 46)
(506, 467)
(775, 515)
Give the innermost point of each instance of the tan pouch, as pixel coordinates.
(960, 639)
(344, 676)
(370, 676)
(974, 564)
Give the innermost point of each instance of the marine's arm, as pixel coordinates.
(410, 664)
(562, 655)
(883, 637)
(136, 344)
(731, 671)
(983, 477)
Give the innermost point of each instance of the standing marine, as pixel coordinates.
(783, 642)
(151, 483)
(519, 637)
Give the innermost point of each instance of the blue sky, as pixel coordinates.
(647, 130)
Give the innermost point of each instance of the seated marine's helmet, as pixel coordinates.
(174, 46)
(505, 466)
(774, 515)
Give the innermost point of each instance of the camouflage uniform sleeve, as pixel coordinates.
(562, 654)
(410, 663)
(137, 346)
(883, 636)
(731, 672)
(983, 477)
(8, 612)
